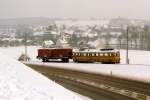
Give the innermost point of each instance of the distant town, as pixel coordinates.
(76, 33)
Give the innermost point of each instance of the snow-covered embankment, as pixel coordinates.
(18, 82)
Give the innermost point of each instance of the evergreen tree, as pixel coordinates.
(73, 40)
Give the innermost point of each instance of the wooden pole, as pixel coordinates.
(127, 58)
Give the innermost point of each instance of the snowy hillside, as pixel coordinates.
(18, 82)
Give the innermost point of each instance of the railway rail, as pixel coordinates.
(88, 90)
(112, 87)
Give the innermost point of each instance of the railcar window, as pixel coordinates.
(109, 54)
(106, 54)
(79, 54)
(93, 54)
(96, 54)
(101, 54)
(84, 54)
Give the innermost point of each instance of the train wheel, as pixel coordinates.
(113, 62)
(75, 60)
(65, 60)
(45, 60)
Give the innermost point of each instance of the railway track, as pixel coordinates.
(87, 90)
(106, 87)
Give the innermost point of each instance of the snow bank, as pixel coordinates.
(18, 82)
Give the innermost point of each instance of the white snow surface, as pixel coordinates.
(19, 82)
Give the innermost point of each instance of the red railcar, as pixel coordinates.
(64, 54)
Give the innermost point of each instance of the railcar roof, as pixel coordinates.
(95, 51)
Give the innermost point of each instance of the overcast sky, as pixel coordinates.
(75, 8)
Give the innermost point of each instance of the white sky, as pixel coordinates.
(75, 8)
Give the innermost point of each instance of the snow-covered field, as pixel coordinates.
(138, 69)
(19, 82)
(15, 52)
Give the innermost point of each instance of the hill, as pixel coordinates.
(26, 21)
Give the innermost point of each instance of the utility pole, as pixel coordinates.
(25, 45)
(127, 58)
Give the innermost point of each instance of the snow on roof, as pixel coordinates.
(56, 33)
(49, 42)
(19, 82)
(39, 33)
(91, 35)
(113, 41)
(99, 43)
(95, 51)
